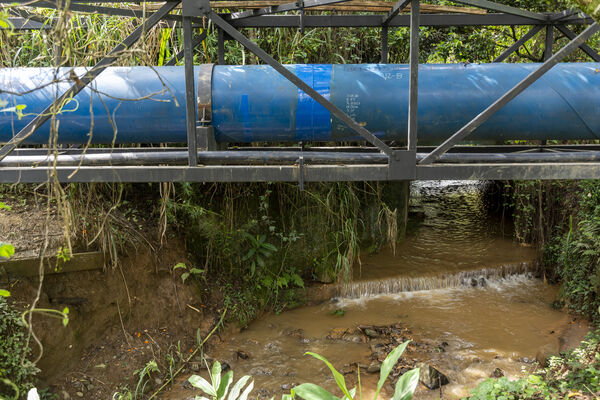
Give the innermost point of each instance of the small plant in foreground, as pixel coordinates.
(259, 251)
(145, 376)
(405, 387)
(196, 272)
(218, 387)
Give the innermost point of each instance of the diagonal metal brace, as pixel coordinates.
(334, 110)
(531, 33)
(511, 94)
(88, 77)
(490, 5)
(399, 6)
(584, 47)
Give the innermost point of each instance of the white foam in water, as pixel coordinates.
(495, 278)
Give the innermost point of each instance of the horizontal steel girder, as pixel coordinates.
(320, 173)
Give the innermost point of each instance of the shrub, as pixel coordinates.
(14, 363)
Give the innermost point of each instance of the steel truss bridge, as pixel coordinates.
(205, 161)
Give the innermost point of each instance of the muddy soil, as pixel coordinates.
(120, 319)
(24, 224)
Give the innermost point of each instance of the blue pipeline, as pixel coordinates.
(256, 104)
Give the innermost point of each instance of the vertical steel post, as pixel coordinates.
(548, 42)
(221, 46)
(384, 44)
(190, 95)
(413, 87)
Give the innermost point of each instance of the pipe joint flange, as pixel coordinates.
(205, 93)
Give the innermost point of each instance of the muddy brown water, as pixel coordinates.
(455, 282)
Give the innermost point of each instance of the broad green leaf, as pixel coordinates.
(310, 391)
(4, 293)
(4, 206)
(287, 397)
(265, 252)
(269, 246)
(260, 262)
(297, 279)
(224, 385)
(184, 276)
(215, 374)
(237, 388)
(249, 254)
(196, 271)
(6, 250)
(65, 320)
(246, 392)
(406, 385)
(388, 364)
(179, 265)
(202, 384)
(339, 378)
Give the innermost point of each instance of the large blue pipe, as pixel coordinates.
(256, 104)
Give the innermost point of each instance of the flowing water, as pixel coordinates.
(466, 292)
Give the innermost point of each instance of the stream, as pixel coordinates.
(464, 292)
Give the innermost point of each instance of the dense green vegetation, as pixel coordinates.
(278, 237)
(17, 373)
(563, 219)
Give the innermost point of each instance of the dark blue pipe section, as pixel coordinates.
(256, 104)
(108, 102)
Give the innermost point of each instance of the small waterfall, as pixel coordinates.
(468, 278)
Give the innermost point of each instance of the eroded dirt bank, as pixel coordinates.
(120, 319)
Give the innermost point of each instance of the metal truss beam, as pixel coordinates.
(359, 21)
(490, 5)
(548, 42)
(584, 47)
(355, 21)
(399, 6)
(545, 171)
(413, 85)
(511, 94)
(283, 7)
(293, 173)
